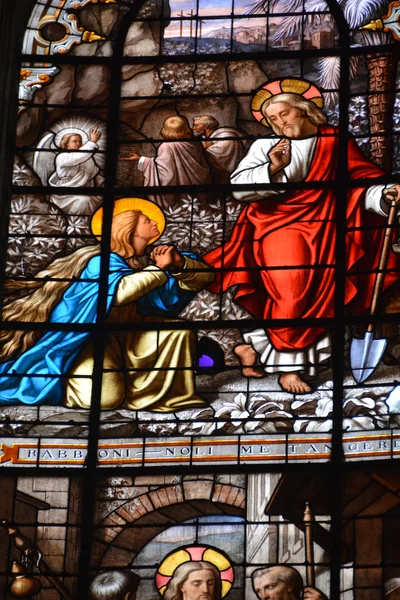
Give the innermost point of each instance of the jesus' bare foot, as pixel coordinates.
(292, 382)
(248, 358)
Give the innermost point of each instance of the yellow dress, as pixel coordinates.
(143, 370)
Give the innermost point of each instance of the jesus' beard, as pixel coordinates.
(290, 131)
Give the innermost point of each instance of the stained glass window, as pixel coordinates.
(200, 301)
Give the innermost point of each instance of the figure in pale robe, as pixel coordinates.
(225, 146)
(296, 228)
(77, 167)
(180, 161)
(143, 369)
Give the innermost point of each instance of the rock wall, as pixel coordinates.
(85, 85)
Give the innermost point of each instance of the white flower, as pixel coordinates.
(235, 409)
(304, 406)
(324, 407)
(308, 425)
(265, 426)
(198, 428)
(358, 424)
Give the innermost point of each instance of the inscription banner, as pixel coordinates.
(246, 449)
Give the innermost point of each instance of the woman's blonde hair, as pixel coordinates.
(122, 229)
(33, 300)
(40, 296)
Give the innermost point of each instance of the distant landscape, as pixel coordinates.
(207, 45)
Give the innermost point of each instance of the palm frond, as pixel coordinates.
(260, 7)
(315, 6)
(329, 75)
(331, 100)
(286, 6)
(355, 63)
(358, 12)
(289, 27)
(375, 38)
(271, 5)
(289, 6)
(282, 6)
(329, 72)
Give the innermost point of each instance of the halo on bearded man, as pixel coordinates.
(284, 86)
(148, 208)
(185, 554)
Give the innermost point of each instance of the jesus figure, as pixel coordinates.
(286, 239)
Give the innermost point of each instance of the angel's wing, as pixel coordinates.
(100, 158)
(43, 160)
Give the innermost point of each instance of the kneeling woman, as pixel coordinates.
(143, 370)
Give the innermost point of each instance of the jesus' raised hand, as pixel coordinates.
(279, 156)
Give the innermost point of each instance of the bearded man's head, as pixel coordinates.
(290, 115)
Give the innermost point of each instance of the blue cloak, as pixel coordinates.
(38, 375)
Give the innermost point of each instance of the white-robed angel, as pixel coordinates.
(77, 165)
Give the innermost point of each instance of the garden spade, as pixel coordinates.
(365, 354)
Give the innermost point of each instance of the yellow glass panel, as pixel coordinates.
(173, 561)
(226, 586)
(216, 559)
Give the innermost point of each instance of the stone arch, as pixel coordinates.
(121, 535)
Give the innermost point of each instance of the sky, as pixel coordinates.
(209, 8)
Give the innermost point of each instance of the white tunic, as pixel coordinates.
(77, 169)
(254, 168)
(226, 152)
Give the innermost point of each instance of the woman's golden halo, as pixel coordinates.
(147, 207)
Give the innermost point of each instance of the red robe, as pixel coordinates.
(298, 229)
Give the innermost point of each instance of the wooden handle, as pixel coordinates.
(383, 261)
(308, 524)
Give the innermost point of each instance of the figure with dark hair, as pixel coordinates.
(194, 580)
(282, 583)
(225, 146)
(114, 585)
(179, 161)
